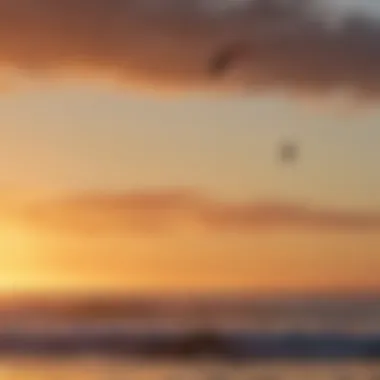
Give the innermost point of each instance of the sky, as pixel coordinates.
(126, 168)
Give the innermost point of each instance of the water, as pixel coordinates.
(309, 314)
(248, 319)
(100, 368)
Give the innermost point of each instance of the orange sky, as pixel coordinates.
(48, 256)
(139, 193)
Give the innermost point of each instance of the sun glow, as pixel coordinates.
(18, 250)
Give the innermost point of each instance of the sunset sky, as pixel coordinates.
(108, 187)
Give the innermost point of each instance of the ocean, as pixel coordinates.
(95, 368)
(239, 339)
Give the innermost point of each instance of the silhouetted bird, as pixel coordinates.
(224, 58)
(289, 152)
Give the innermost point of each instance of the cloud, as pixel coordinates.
(285, 45)
(173, 210)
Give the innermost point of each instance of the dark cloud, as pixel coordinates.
(159, 211)
(172, 42)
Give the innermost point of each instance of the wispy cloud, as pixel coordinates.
(160, 211)
(172, 42)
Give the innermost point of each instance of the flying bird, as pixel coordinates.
(223, 60)
(289, 152)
